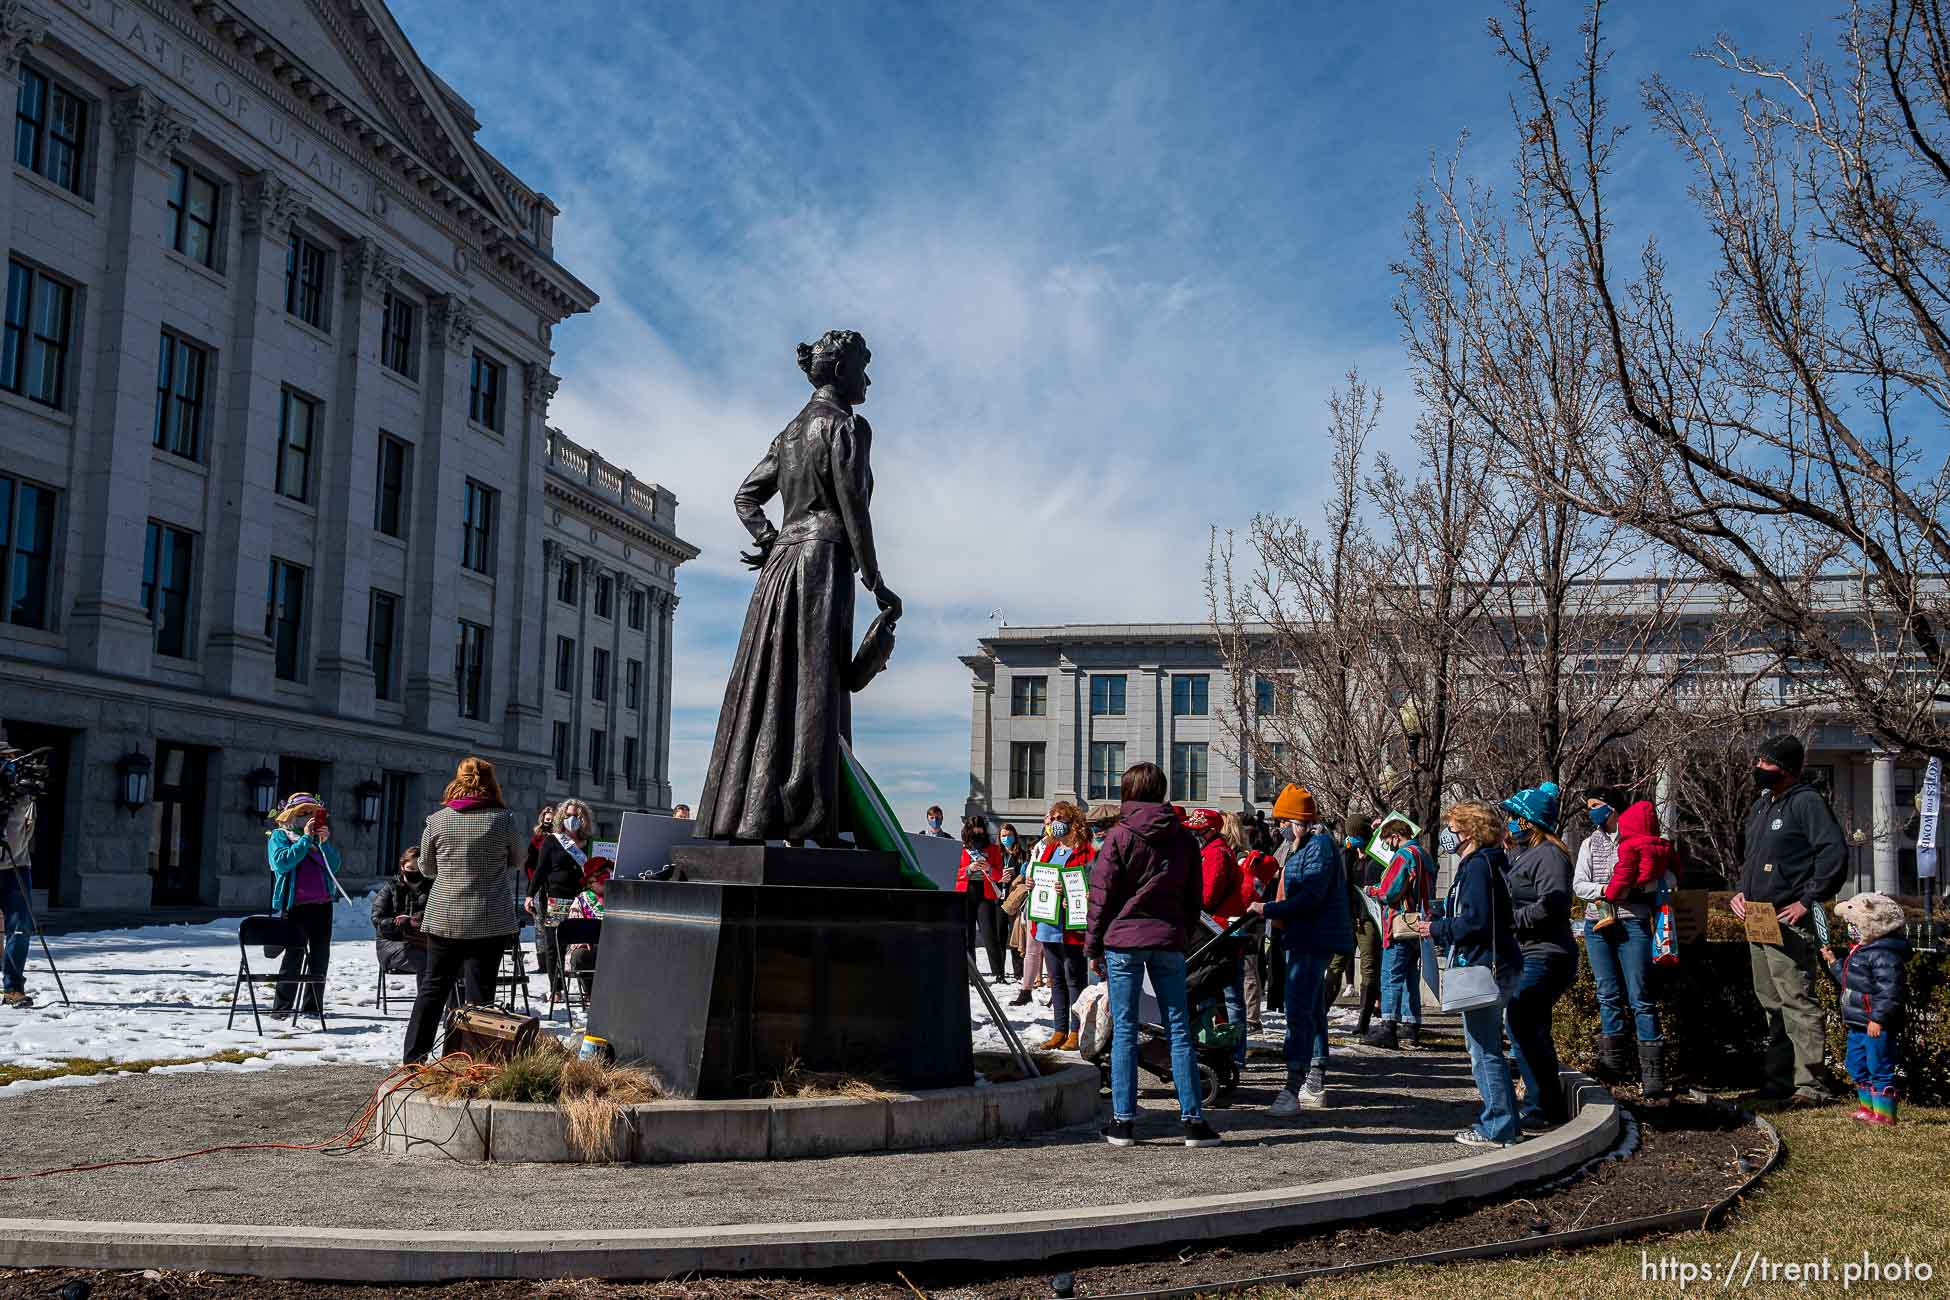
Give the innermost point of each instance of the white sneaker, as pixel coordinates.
(1312, 1098)
(1343, 1017)
(1285, 1106)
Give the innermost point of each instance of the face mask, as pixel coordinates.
(934, 823)
(1289, 832)
(1854, 933)
(1353, 843)
(1008, 841)
(1765, 777)
(1097, 840)
(572, 824)
(1600, 815)
(1058, 829)
(1449, 841)
(1515, 827)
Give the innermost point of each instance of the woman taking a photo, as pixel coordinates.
(1026, 955)
(1144, 902)
(560, 862)
(979, 880)
(304, 862)
(1477, 929)
(471, 849)
(1540, 903)
(1065, 846)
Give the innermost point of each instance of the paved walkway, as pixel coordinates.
(1388, 1111)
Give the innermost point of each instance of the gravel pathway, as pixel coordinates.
(1388, 1111)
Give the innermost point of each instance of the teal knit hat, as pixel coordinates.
(1537, 805)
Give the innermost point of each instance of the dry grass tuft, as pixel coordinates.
(590, 1094)
(796, 1081)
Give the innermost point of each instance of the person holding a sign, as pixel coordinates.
(1794, 859)
(1311, 910)
(1059, 908)
(1145, 890)
(559, 866)
(1403, 892)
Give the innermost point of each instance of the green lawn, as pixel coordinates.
(1842, 1189)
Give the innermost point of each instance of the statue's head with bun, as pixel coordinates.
(838, 360)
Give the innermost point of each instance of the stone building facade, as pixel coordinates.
(275, 477)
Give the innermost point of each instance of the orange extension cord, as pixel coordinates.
(414, 1076)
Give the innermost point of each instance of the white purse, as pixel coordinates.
(1470, 988)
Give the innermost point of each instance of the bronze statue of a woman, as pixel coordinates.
(775, 765)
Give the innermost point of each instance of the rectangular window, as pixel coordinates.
(599, 674)
(399, 337)
(559, 750)
(305, 275)
(1269, 778)
(484, 393)
(26, 552)
(1107, 696)
(470, 668)
(1188, 772)
(382, 638)
(605, 595)
(633, 683)
(182, 369)
(637, 603)
(1026, 770)
(1106, 768)
(598, 755)
(34, 348)
(629, 762)
(389, 514)
(565, 663)
(167, 554)
(477, 528)
(284, 618)
(297, 423)
(51, 130)
(193, 198)
(568, 582)
(1189, 695)
(1264, 701)
(1029, 697)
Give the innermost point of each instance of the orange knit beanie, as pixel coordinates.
(1295, 805)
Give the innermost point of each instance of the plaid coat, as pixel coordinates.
(474, 860)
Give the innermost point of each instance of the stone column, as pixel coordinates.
(107, 628)
(981, 747)
(1149, 702)
(348, 482)
(667, 620)
(439, 472)
(618, 597)
(21, 29)
(521, 583)
(1882, 821)
(579, 698)
(644, 794)
(1066, 780)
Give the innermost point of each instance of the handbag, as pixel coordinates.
(1470, 988)
(1018, 895)
(1665, 937)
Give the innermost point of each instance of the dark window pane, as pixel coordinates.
(27, 586)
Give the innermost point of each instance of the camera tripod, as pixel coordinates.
(26, 883)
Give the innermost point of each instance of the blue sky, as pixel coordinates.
(1110, 259)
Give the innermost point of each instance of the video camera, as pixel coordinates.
(23, 777)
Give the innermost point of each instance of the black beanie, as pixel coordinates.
(1783, 752)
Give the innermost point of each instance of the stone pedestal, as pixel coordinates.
(721, 979)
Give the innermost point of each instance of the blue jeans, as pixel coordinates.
(1235, 1004)
(1401, 982)
(1872, 1061)
(1620, 956)
(1544, 979)
(13, 956)
(1306, 1012)
(1127, 968)
(1483, 1031)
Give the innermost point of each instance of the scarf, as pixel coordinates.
(471, 802)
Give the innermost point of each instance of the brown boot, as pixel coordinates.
(1069, 1043)
(1054, 1043)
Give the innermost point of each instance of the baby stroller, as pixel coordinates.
(1208, 967)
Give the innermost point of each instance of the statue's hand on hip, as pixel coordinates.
(756, 557)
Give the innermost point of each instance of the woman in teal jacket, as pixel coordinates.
(304, 869)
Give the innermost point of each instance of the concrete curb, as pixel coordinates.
(334, 1254)
(676, 1132)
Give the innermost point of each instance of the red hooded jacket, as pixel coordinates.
(1222, 879)
(1643, 854)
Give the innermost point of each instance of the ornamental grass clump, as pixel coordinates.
(590, 1094)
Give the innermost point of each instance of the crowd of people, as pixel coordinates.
(1320, 913)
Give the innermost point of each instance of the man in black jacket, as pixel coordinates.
(1794, 858)
(396, 912)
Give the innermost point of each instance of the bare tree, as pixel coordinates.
(1787, 444)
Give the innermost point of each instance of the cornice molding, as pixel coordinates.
(609, 515)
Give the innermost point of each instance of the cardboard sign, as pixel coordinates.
(1045, 893)
(1689, 907)
(1076, 898)
(1763, 925)
(1380, 852)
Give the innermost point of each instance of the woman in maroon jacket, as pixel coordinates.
(1145, 890)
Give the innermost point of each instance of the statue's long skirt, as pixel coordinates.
(775, 765)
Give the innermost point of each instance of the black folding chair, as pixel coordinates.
(277, 932)
(576, 930)
(512, 975)
(386, 973)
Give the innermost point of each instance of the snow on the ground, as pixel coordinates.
(164, 991)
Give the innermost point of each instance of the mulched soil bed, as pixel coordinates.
(1689, 1155)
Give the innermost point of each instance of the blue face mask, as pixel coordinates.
(1515, 827)
(1449, 842)
(1353, 843)
(1008, 841)
(1600, 815)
